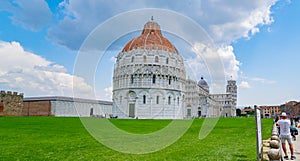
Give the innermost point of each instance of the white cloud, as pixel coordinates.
(108, 92)
(256, 79)
(29, 73)
(113, 59)
(225, 21)
(33, 16)
(262, 80)
(207, 55)
(231, 64)
(104, 93)
(238, 19)
(244, 84)
(216, 65)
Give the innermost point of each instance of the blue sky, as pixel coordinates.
(258, 42)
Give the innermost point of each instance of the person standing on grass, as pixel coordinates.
(285, 135)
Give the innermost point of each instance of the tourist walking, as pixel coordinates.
(285, 135)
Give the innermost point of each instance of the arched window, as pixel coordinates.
(157, 99)
(131, 79)
(156, 59)
(145, 58)
(170, 79)
(132, 59)
(167, 61)
(189, 112)
(144, 99)
(199, 111)
(153, 79)
(177, 100)
(169, 100)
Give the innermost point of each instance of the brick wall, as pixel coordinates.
(1, 108)
(37, 108)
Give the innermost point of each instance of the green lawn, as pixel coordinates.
(61, 138)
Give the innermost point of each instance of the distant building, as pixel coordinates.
(66, 106)
(290, 108)
(247, 110)
(228, 100)
(11, 103)
(297, 109)
(200, 103)
(269, 111)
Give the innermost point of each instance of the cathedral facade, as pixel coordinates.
(149, 81)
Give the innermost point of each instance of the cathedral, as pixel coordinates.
(149, 81)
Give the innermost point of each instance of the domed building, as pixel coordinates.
(149, 80)
(202, 83)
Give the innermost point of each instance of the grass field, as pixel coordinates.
(60, 138)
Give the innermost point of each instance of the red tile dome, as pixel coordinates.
(150, 39)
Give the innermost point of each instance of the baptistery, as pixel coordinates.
(149, 77)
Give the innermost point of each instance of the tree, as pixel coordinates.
(238, 112)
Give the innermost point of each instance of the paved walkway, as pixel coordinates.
(296, 148)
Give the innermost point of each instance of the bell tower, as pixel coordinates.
(231, 88)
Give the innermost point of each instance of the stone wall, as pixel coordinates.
(274, 152)
(11, 103)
